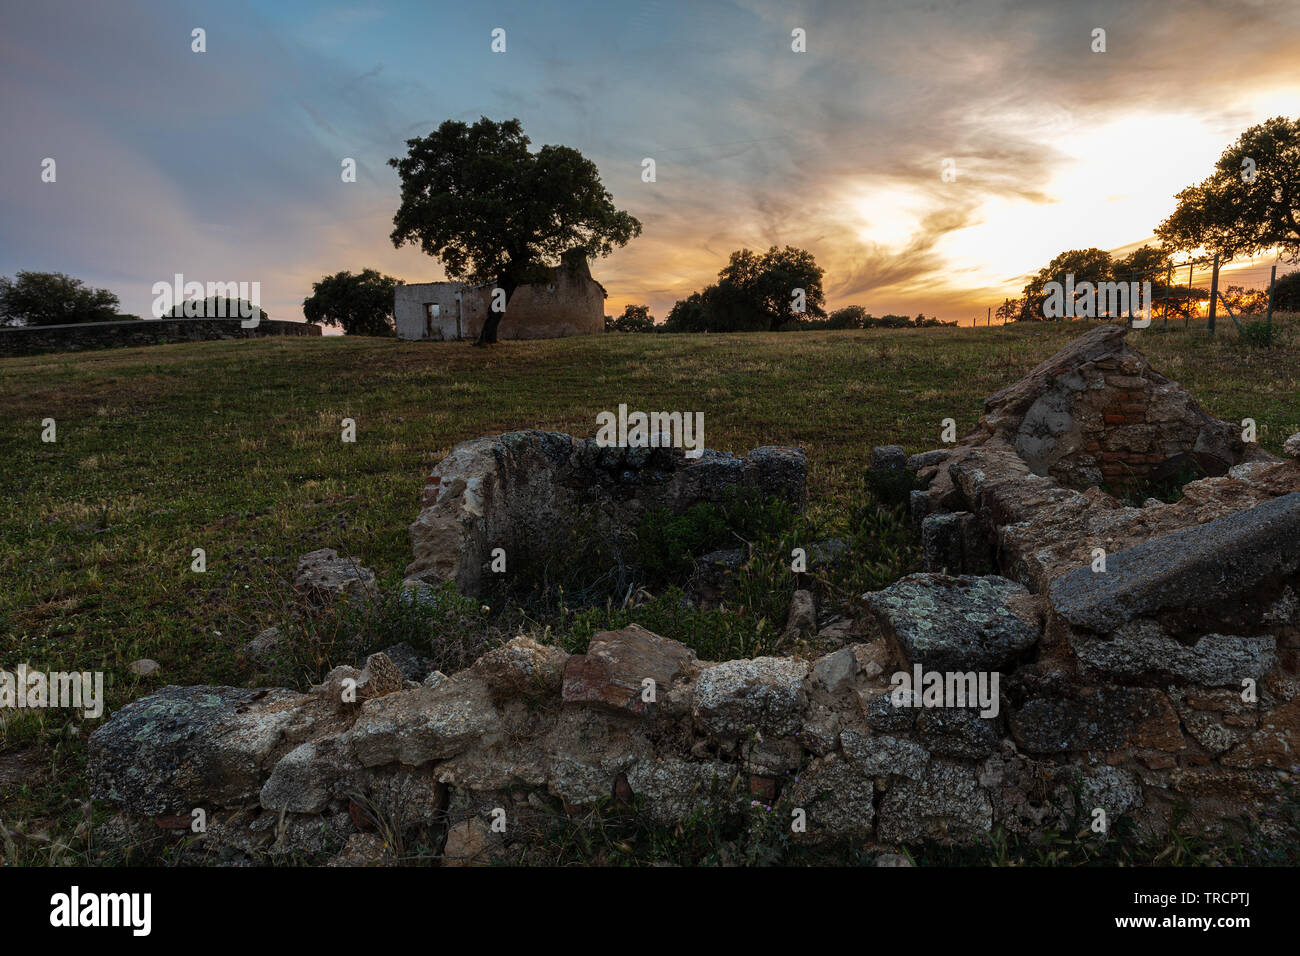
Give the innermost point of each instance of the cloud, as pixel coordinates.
(226, 164)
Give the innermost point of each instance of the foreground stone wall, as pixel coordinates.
(1064, 663)
(107, 335)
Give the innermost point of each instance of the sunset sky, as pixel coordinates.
(225, 165)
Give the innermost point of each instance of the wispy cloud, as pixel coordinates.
(226, 164)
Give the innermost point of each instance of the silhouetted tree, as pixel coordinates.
(52, 298)
(362, 304)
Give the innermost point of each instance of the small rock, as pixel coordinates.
(893, 859)
(802, 620)
(1291, 447)
(379, 677)
(888, 456)
(322, 575)
(469, 843)
(837, 670)
(265, 644)
(144, 667)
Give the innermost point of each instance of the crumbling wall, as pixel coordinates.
(522, 491)
(1097, 413)
(1101, 663)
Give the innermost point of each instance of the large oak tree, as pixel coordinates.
(1250, 203)
(497, 214)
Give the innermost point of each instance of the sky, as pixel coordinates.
(225, 165)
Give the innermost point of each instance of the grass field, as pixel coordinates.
(234, 447)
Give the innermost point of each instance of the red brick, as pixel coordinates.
(763, 788)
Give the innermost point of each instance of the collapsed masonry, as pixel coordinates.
(523, 491)
(1170, 679)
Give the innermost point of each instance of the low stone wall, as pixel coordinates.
(107, 335)
(1102, 663)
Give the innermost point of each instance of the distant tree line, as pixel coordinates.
(52, 298)
(776, 291)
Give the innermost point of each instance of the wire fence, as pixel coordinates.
(1199, 294)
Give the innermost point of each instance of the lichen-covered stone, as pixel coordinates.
(423, 724)
(1111, 789)
(879, 755)
(837, 799)
(1145, 649)
(764, 694)
(672, 788)
(946, 805)
(186, 747)
(1105, 718)
(958, 732)
(948, 623)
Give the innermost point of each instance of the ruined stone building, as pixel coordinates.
(572, 303)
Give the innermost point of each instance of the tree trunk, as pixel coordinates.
(488, 334)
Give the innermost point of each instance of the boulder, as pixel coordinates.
(186, 747)
(1199, 567)
(323, 576)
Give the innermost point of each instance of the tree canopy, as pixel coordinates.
(635, 318)
(755, 293)
(52, 298)
(1250, 203)
(492, 212)
(362, 304)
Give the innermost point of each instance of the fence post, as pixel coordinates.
(1169, 282)
(1214, 292)
(1272, 282)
